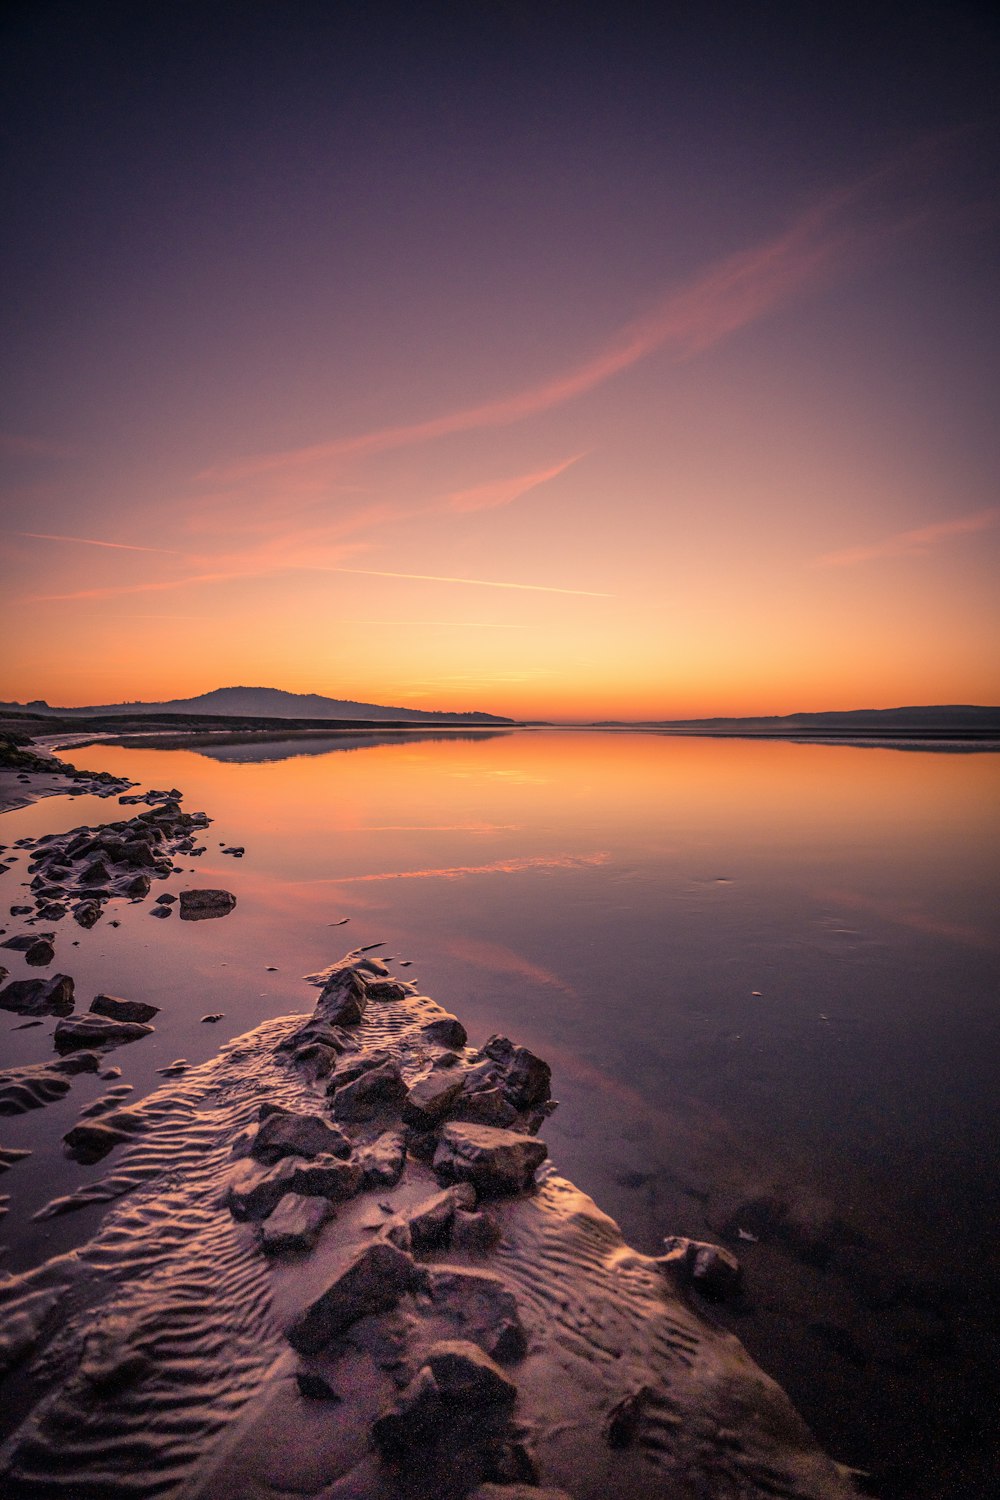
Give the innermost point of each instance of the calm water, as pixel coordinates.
(765, 976)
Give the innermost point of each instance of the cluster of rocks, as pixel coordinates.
(469, 1119)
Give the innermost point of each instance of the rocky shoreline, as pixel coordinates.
(415, 1306)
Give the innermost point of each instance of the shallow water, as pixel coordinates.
(765, 975)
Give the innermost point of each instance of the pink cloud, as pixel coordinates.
(504, 491)
(911, 543)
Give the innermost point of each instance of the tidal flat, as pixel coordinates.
(764, 977)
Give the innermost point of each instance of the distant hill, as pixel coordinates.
(959, 719)
(271, 703)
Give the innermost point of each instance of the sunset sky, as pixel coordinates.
(549, 359)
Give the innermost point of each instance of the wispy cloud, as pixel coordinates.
(482, 583)
(727, 297)
(911, 543)
(504, 491)
(516, 865)
(89, 541)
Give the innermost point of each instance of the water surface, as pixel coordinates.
(765, 975)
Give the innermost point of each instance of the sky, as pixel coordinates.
(554, 360)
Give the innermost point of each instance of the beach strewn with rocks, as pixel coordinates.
(334, 1262)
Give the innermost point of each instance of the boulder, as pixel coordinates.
(197, 906)
(481, 1307)
(344, 998)
(86, 913)
(137, 887)
(297, 1135)
(372, 1282)
(40, 953)
(326, 1177)
(377, 1089)
(526, 1079)
(97, 1031)
(484, 1107)
(382, 1161)
(458, 1392)
(294, 1224)
(708, 1268)
(447, 1030)
(39, 997)
(495, 1161)
(123, 1010)
(431, 1098)
(355, 1066)
(430, 1222)
(475, 1232)
(254, 1191)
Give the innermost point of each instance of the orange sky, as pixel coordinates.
(389, 424)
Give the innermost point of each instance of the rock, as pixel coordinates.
(344, 998)
(388, 989)
(372, 1282)
(348, 1071)
(25, 940)
(297, 1135)
(377, 1089)
(326, 1177)
(316, 1057)
(254, 1191)
(430, 1099)
(430, 1222)
(137, 852)
(137, 887)
(294, 1224)
(382, 1161)
(166, 899)
(215, 1015)
(97, 1031)
(90, 1141)
(457, 1382)
(314, 1387)
(482, 1307)
(123, 1010)
(39, 997)
(96, 873)
(196, 906)
(484, 1107)
(710, 1269)
(446, 1029)
(494, 1161)
(160, 911)
(77, 1062)
(40, 953)
(475, 1232)
(52, 911)
(526, 1079)
(86, 913)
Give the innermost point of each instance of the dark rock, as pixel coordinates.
(348, 1071)
(196, 906)
(326, 1177)
(294, 1224)
(484, 1107)
(710, 1269)
(456, 1380)
(388, 989)
(475, 1232)
(96, 873)
(316, 1058)
(314, 1388)
(160, 911)
(372, 1282)
(344, 998)
(297, 1135)
(86, 913)
(137, 887)
(430, 1222)
(494, 1161)
(53, 911)
(123, 1010)
(527, 1080)
(39, 954)
(97, 1031)
(625, 1419)
(516, 1492)
(77, 1062)
(166, 899)
(378, 1089)
(482, 1307)
(90, 1141)
(254, 1191)
(383, 1160)
(39, 997)
(430, 1099)
(215, 1015)
(25, 940)
(446, 1029)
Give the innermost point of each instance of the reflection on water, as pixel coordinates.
(765, 975)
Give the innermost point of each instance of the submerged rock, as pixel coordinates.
(39, 997)
(117, 1009)
(710, 1269)
(97, 1031)
(198, 905)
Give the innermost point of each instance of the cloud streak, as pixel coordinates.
(727, 297)
(88, 541)
(911, 543)
(482, 583)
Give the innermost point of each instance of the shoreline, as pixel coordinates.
(436, 1266)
